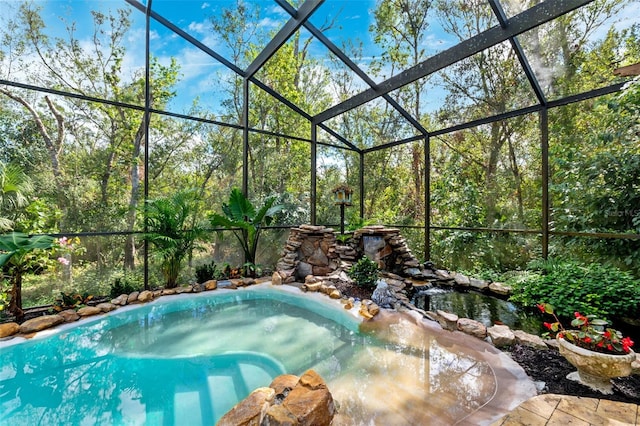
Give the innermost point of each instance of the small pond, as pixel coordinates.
(486, 309)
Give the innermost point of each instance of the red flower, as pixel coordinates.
(546, 324)
(587, 339)
(541, 307)
(607, 334)
(577, 314)
(609, 347)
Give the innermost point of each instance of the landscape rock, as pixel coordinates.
(9, 329)
(383, 295)
(447, 320)
(120, 300)
(364, 311)
(442, 274)
(501, 335)
(247, 281)
(69, 315)
(88, 311)
(480, 285)
(284, 382)
(40, 323)
(372, 307)
(472, 328)
(500, 288)
(311, 287)
(106, 307)
(288, 401)
(211, 285)
(133, 297)
(276, 278)
(279, 415)
(309, 402)
(251, 410)
(169, 291)
(529, 339)
(184, 289)
(462, 280)
(145, 296)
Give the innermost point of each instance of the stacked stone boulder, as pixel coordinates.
(309, 250)
(314, 250)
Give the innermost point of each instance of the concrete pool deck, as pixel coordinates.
(554, 410)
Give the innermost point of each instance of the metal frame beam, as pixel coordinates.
(544, 150)
(531, 18)
(303, 13)
(352, 65)
(162, 20)
(517, 48)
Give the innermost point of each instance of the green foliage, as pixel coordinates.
(572, 287)
(71, 301)
(15, 185)
(174, 231)
(246, 222)
(18, 254)
(587, 331)
(364, 272)
(209, 271)
(123, 285)
(4, 296)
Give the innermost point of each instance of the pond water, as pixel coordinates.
(486, 309)
(188, 359)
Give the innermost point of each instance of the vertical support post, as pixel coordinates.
(147, 119)
(245, 137)
(341, 218)
(544, 147)
(314, 177)
(427, 198)
(361, 185)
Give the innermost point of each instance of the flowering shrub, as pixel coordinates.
(589, 333)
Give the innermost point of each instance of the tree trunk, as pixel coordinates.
(130, 243)
(15, 304)
(491, 170)
(518, 180)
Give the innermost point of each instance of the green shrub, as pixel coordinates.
(123, 285)
(364, 272)
(71, 301)
(208, 271)
(571, 287)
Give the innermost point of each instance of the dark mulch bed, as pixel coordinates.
(550, 367)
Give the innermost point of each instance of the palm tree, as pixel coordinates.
(15, 185)
(173, 230)
(246, 223)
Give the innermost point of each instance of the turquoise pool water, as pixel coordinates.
(187, 360)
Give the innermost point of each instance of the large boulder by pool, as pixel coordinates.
(288, 400)
(40, 323)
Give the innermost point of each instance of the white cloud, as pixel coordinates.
(198, 27)
(269, 23)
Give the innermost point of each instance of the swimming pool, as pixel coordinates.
(188, 359)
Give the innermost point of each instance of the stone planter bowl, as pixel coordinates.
(595, 369)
